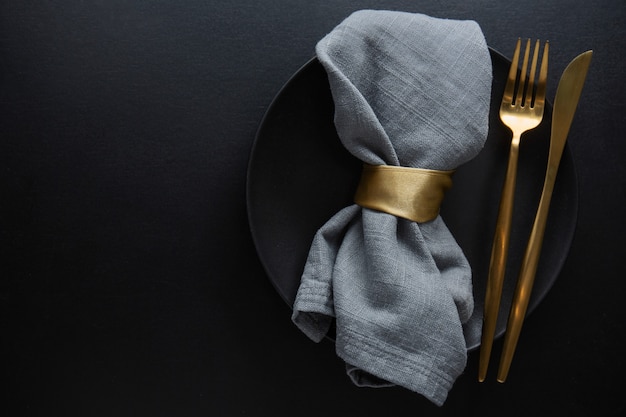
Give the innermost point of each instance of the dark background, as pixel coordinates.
(129, 283)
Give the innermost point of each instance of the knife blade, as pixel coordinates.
(565, 103)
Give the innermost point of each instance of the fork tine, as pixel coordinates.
(540, 96)
(531, 77)
(521, 89)
(509, 89)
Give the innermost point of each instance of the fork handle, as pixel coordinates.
(497, 265)
(527, 275)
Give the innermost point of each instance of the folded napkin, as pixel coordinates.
(413, 91)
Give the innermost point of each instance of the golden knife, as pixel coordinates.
(565, 103)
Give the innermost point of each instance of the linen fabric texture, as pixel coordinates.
(409, 90)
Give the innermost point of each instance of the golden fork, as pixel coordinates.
(521, 110)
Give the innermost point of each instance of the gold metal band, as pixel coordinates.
(411, 193)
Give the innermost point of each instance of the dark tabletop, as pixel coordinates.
(129, 282)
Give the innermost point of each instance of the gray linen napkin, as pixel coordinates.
(409, 90)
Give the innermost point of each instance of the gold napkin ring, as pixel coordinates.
(411, 193)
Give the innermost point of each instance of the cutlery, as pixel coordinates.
(565, 103)
(521, 110)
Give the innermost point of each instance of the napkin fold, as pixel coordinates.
(409, 90)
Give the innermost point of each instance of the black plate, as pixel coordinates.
(299, 175)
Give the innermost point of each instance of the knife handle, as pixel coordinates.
(527, 274)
